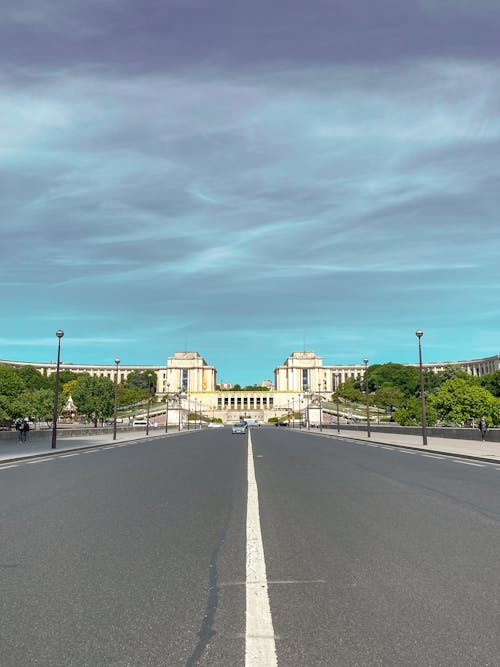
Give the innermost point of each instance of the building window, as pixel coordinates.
(305, 379)
(184, 380)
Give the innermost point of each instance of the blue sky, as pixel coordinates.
(237, 178)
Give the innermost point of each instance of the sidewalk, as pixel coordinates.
(470, 449)
(15, 450)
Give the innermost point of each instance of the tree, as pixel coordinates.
(32, 378)
(405, 378)
(411, 413)
(349, 392)
(68, 388)
(131, 395)
(491, 382)
(94, 397)
(460, 401)
(142, 380)
(11, 384)
(389, 397)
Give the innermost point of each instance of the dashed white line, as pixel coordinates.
(433, 456)
(260, 648)
(15, 465)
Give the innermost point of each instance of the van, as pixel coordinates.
(251, 422)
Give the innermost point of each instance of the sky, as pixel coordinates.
(246, 179)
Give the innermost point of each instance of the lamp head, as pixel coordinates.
(59, 333)
(419, 333)
(117, 361)
(365, 360)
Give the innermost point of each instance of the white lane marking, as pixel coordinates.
(433, 456)
(467, 463)
(260, 648)
(67, 456)
(15, 465)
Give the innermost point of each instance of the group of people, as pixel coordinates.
(23, 426)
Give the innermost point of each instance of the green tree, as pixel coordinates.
(42, 405)
(459, 400)
(405, 378)
(491, 382)
(94, 398)
(131, 395)
(142, 380)
(388, 397)
(349, 392)
(11, 384)
(32, 378)
(411, 413)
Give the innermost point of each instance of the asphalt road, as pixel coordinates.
(136, 554)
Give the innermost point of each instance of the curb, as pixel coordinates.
(408, 447)
(39, 455)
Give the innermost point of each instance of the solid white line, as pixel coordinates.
(466, 463)
(15, 465)
(433, 456)
(67, 456)
(260, 648)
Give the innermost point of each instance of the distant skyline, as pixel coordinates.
(235, 178)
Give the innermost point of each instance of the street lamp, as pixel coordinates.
(59, 334)
(166, 418)
(319, 403)
(149, 403)
(337, 378)
(117, 362)
(419, 335)
(179, 412)
(367, 399)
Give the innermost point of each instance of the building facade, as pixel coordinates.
(300, 382)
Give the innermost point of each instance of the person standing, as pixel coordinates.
(25, 427)
(483, 427)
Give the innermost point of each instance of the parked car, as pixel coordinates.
(281, 424)
(239, 428)
(215, 425)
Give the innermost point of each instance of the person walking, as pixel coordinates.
(25, 427)
(483, 427)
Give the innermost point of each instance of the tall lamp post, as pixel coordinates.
(166, 417)
(179, 413)
(337, 378)
(59, 334)
(319, 403)
(367, 399)
(419, 335)
(149, 403)
(115, 412)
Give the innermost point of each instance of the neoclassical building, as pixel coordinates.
(300, 382)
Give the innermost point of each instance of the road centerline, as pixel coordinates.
(260, 648)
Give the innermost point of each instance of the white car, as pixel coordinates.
(215, 425)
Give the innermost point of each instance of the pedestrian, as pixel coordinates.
(19, 426)
(483, 427)
(25, 427)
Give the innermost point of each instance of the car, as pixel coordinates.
(239, 428)
(281, 424)
(251, 422)
(215, 425)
